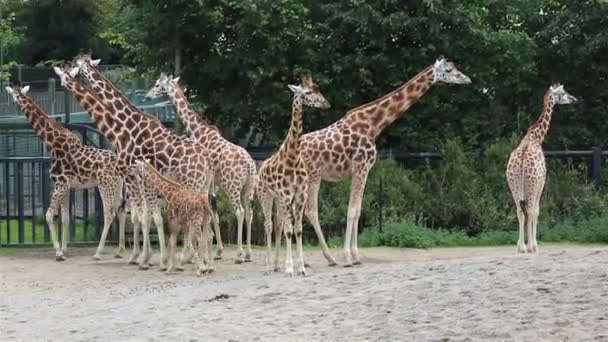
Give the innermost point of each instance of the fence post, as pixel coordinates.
(7, 179)
(596, 168)
(72, 217)
(19, 194)
(381, 205)
(52, 98)
(66, 104)
(45, 177)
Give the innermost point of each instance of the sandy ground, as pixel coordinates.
(455, 294)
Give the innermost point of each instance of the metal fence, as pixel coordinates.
(25, 188)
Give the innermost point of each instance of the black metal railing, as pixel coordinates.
(25, 190)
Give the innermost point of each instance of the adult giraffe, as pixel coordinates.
(234, 169)
(140, 136)
(74, 165)
(526, 170)
(347, 148)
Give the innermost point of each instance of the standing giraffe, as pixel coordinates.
(526, 170)
(135, 136)
(348, 148)
(283, 180)
(110, 96)
(74, 166)
(234, 169)
(185, 208)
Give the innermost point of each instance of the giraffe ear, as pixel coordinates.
(74, 71)
(58, 71)
(296, 89)
(9, 90)
(176, 79)
(95, 62)
(25, 89)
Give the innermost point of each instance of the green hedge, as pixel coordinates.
(465, 193)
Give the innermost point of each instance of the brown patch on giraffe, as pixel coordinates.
(410, 87)
(130, 124)
(398, 96)
(384, 104)
(361, 127)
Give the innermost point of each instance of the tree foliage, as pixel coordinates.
(239, 56)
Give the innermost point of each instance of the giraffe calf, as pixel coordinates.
(187, 208)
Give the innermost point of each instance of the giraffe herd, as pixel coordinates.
(150, 160)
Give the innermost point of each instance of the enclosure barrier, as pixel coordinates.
(25, 189)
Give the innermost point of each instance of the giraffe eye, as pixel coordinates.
(448, 70)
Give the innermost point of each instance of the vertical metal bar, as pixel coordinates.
(45, 179)
(85, 212)
(33, 195)
(52, 96)
(381, 205)
(20, 195)
(72, 213)
(7, 179)
(98, 213)
(596, 167)
(66, 104)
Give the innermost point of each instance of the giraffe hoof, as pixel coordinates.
(301, 273)
(132, 262)
(331, 264)
(144, 267)
(248, 258)
(217, 257)
(96, 257)
(358, 262)
(348, 265)
(238, 261)
(306, 265)
(117, 256)
(277, 269)
(60, 258)
(180, 268)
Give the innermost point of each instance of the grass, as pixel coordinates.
(33, 232)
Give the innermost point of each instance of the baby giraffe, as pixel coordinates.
(526, 170)
(283, 180)
(186, 208)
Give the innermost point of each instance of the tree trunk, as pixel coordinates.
(178, 126)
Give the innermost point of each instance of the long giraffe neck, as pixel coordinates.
(539, 129)
(291, 146)
(113, 130)
(372, 118)
(109, 94)
(196, 124)
(46, 127)
(158, 182)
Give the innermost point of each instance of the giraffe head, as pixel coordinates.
(16, 90)
(445, 71)
(66, 73)
(163, 86)
(309, 93)
(85, 62)
(560, 95)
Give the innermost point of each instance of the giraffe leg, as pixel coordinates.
(136, 228)
(61, 190)
(532, 243)
(248, 220)
(122, 220)
(158, 222)
(278, 235)
(312, 213)
(285, 215)
(173, 231)
(235, 197)
(215, 220)
(65, 223)
(266, 202)
(521, 218)
(108, 199)
(354, 210)
(206, 238)
(298, 212)
(144, 262)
